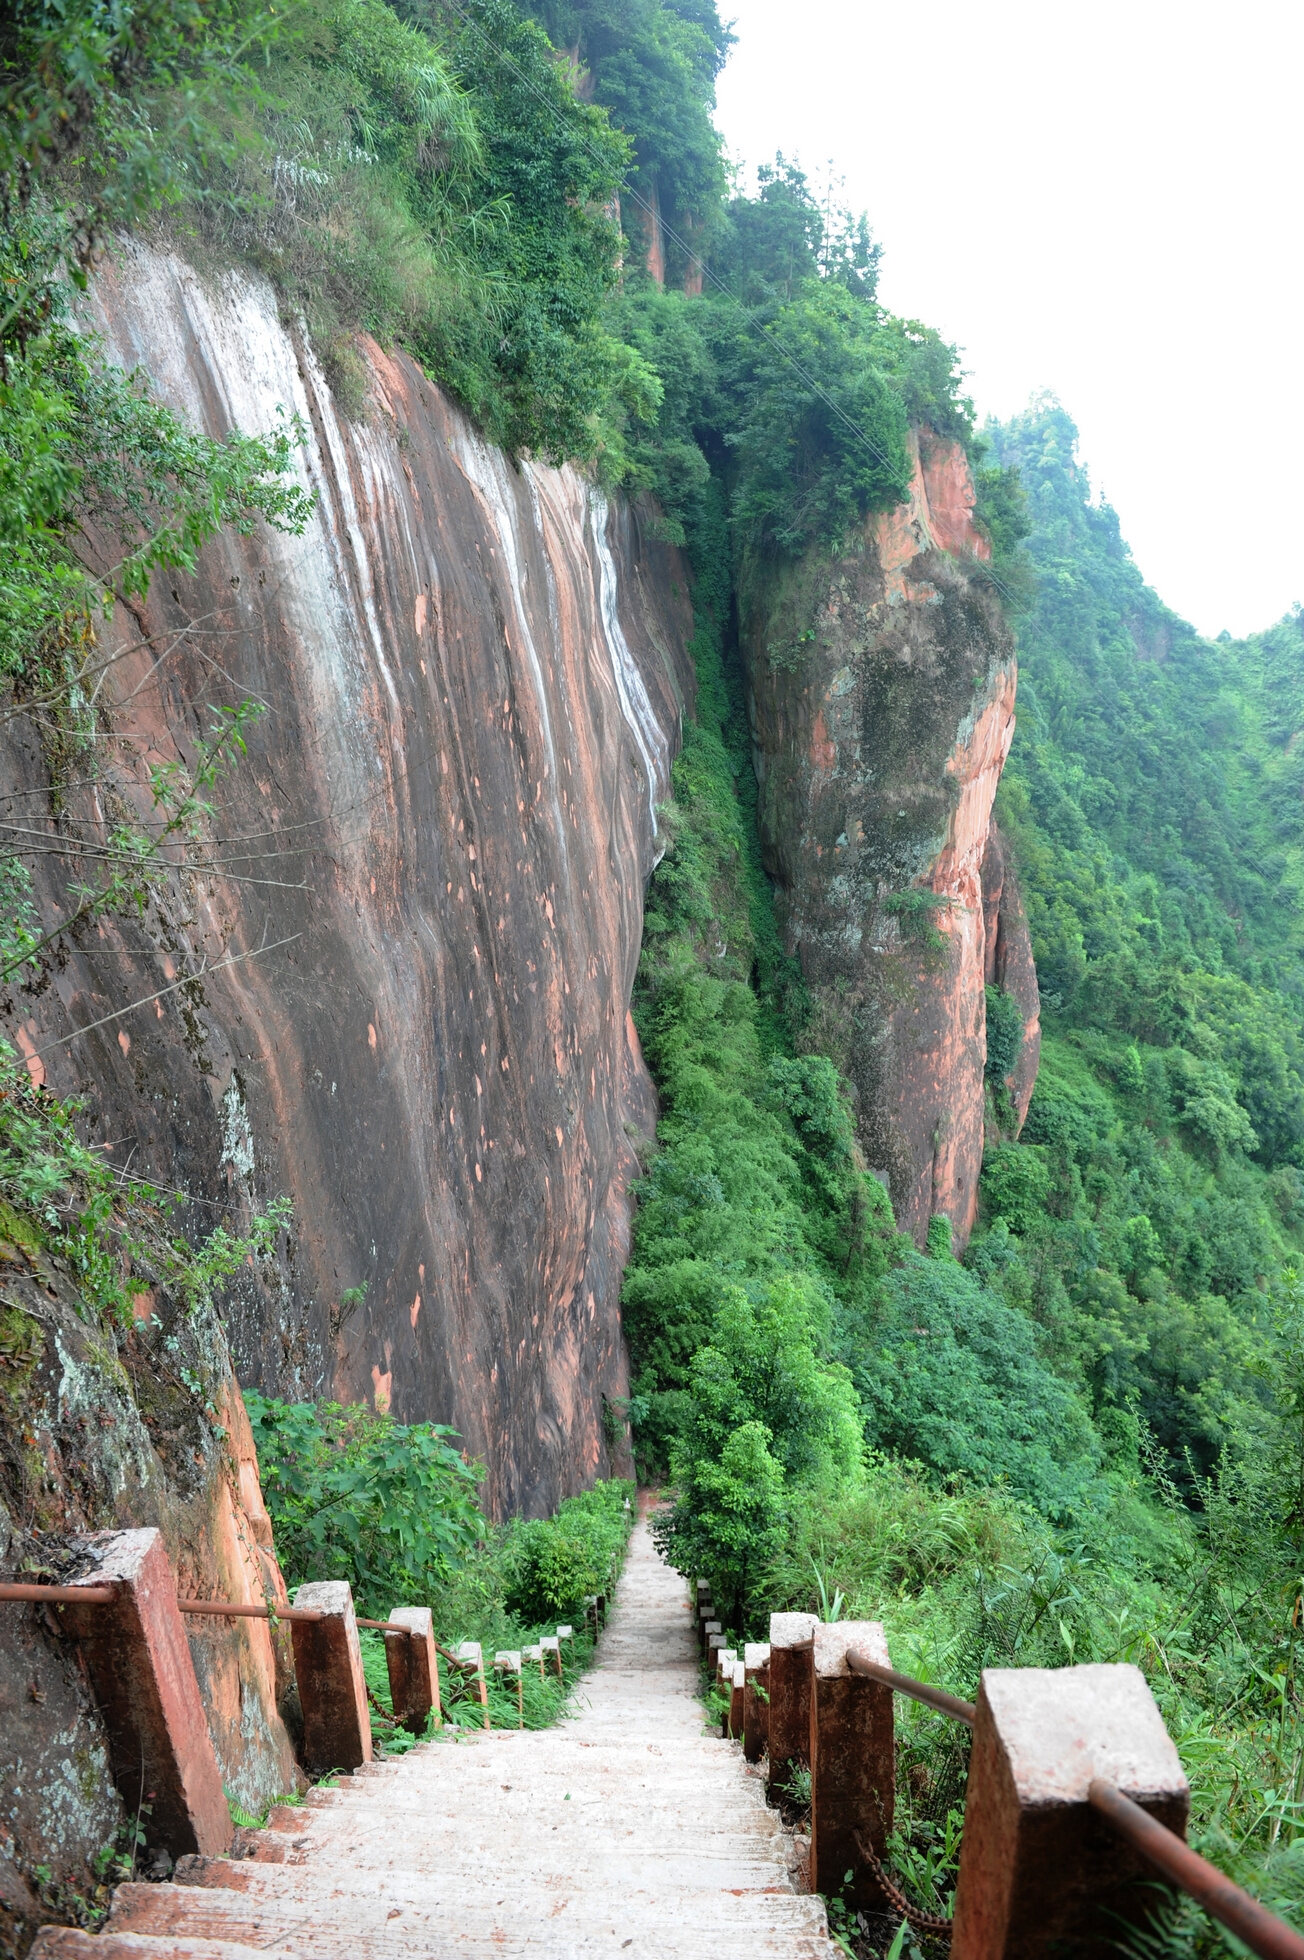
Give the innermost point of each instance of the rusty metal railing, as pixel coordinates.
(37, 1593)
(1271, 1938)
(904, 1684)
(40, 1595)
(1262, 1931)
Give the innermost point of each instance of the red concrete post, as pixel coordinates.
(413, 1668)
(1038, 1867)
(852, 1761)
(792, 1638)
(756, 1699)
(706, 1628)
(328, 1670)
(144, 1680)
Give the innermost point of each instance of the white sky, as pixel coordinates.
(1104, 199)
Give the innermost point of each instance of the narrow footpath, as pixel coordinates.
(622, 1830)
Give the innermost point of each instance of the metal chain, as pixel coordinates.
(381, 1709)
(923, 1922)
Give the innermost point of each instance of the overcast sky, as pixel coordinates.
(1103, 200)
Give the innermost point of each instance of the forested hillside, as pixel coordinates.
(1152, 803)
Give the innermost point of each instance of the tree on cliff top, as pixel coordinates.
(652, 64)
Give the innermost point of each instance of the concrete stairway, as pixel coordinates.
(624, 1830)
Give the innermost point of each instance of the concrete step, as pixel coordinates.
(325, 1928)
(689, 1867)
(69, 1943)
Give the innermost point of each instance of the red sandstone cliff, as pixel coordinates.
(879, 745)
(474, 678)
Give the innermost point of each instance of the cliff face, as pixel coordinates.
(882, 700)
(474, 678)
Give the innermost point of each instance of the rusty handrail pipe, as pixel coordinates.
(232, 1610)
(391, 1625)
(1271, 1938)
(42, 1595)
(36, 1593)
(904, 1684)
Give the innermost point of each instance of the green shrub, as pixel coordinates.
(1004, 1034)
(553, 1564)
(1015, 1185)
(391, 1507)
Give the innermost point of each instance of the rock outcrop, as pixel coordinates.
(414, 951)
(102, 1428)
(881, 691)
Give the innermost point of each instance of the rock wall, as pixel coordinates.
(881, 693)
(102, 1428)
(430, 869)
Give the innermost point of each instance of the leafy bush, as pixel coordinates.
(1004, 1034)
(391, 1507)
(1015, 1185)
(554, 1564)
(113, 1231)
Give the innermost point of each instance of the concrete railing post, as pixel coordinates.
(852, 1760)
(413, 1668)
(328, 1670)
(735, 1717)
(470, 1659)
(722, 1682)
(144, 1680)
(1038, 1868)
(552, 1649)
(792, 1638)
(756, 1699)
(706, 1628)
(508, 1663)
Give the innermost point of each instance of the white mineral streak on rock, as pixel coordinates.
(488, 472)
(637, 709)
(249, 359)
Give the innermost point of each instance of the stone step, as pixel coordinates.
(691, 1867)
(457, 1839)
(326, 1928)
(69, 1943)
(544, 1943)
